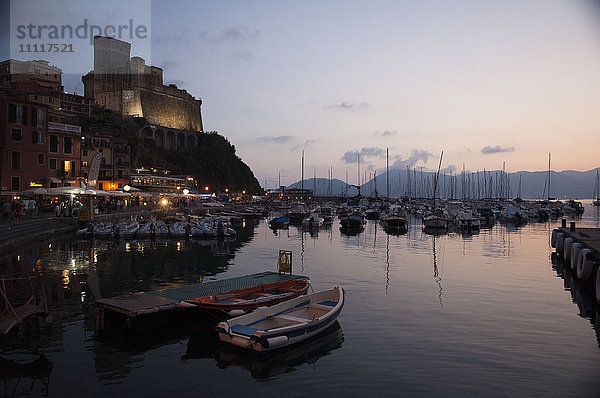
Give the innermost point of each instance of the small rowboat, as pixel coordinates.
(285, 323)
(253, 297)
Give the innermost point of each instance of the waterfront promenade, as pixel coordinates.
(46, 225)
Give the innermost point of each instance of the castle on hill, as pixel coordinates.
(128, 86)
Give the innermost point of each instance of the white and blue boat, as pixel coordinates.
(279, 222)
(283, 324)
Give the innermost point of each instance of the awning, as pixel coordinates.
(55, 180)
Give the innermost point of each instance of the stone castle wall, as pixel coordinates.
(130, 87)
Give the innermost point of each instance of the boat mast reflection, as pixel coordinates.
(387, 264)
(436, 273)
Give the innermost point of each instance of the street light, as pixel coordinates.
(186, 191)
(206, 188)
(126, 188)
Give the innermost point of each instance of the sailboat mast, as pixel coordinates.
(387, 173)
(549, 156)
(435, 180)
(302, 172)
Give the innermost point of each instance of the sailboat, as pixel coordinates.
(596, 201)
(436, 220)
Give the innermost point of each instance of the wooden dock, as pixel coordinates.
(579, 249)
(167, 302)
(588, 237)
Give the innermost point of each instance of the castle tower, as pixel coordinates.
(130, 87)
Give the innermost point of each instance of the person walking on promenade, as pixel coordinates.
(32, 208)
(5, 210)
(16, 209)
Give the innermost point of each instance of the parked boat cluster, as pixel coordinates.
(440, 215)
(206, 227)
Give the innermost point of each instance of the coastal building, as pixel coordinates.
(115, 159)
(290, 194)
(160, 180)
(128, 86)
(35, 152)
(38, 81)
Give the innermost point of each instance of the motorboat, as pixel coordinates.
(127, 229)
(279, 222)
(314, 220)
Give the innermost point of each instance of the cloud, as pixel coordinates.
(235, 34)
(446, 170)
(348, 106)
(417, 155)
(351, 156)
(497, 149)
(279, 139)
(385, 133)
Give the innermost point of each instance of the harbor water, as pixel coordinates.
(490, 314)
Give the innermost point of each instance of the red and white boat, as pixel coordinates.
(253, 297)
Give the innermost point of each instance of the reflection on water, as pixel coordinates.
(436, 272)
(582, 292)
(25, 373)
(461, 313)
(265, 366)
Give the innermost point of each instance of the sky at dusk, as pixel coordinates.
(486, 82)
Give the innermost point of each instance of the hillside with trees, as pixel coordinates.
(213, 163)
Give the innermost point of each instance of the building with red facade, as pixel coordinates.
(33, 151)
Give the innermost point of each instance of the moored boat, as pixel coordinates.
(279, 222)
(394, 218)
(313, 220)
(355, 219)
(253, 297)
(285, 323)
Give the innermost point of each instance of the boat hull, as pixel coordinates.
(251, 298)
(284, 324)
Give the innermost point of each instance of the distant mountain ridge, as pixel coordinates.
(563, 185)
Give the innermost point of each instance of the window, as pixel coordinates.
(16, 160)
(68, 145)
(15, 183)
(67, 166)
(16, 135)
(37, 117)
(17, 114)
(85, 152)
(84, 163)
(52, 164)
(53, 144)
(37, 137)
(40, 158)
(101, 150)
